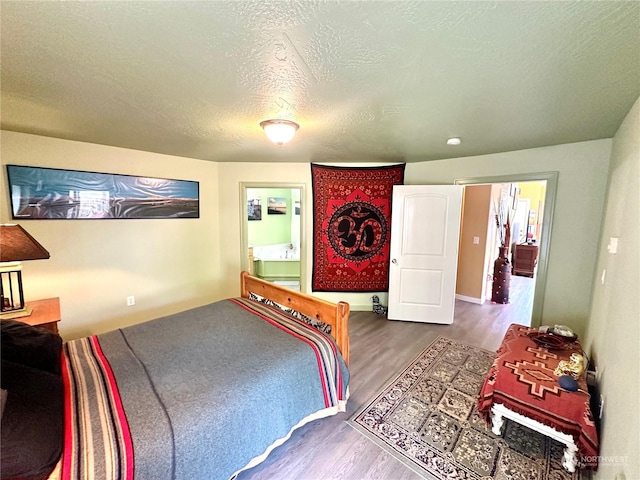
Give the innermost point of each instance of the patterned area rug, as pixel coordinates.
(352, 226)
(427, 418)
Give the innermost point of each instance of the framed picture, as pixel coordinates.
(277, 206)
(49, 193)
(254, 209)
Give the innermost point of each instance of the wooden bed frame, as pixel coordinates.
(335, 314)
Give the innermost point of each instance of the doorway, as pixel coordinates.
(272, 235)
(543, 242)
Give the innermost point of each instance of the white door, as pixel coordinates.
(425, 229)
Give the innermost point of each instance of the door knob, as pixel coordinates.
(394, 261)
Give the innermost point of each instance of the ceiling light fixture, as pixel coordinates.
(279, 131)
(454, 141)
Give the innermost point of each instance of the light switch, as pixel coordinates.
(476, 240)
(613, 245)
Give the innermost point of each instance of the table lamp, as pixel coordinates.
(16, 245)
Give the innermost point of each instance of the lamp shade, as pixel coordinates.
(17, 245)
(279, 131)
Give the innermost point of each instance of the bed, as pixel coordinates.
(204, 393)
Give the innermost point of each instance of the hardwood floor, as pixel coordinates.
(331, 449)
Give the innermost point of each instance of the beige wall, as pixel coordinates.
(582, 171)
(168, 265)
(613, 334)
(476, 213)
(230, 213)
(127, 262)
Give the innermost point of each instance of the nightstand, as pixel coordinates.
(44, 313)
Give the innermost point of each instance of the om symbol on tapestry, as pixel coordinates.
(358, 230)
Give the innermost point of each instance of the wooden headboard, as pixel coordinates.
(335, 314)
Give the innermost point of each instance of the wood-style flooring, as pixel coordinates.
(331, 449)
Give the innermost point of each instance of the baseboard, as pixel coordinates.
(367, 306)
(360, 308)
(464, 298)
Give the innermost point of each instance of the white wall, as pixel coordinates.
(168, 265)
(580, 197)
(613, 334)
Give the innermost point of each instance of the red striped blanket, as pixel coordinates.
(326, 352)
(97, 436)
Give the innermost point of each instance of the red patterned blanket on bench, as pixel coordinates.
(522, 379)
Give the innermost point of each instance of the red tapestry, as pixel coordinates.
(352, 227)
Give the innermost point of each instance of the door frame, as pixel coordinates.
(547, 223)
(244, 234)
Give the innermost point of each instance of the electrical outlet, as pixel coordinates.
(131, 301)
(476, 240)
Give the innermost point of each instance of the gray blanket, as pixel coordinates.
(207, 390)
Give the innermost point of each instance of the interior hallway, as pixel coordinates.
(520, 305)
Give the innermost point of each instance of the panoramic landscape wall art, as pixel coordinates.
(48, 193)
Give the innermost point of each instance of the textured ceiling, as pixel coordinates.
(366, 81)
